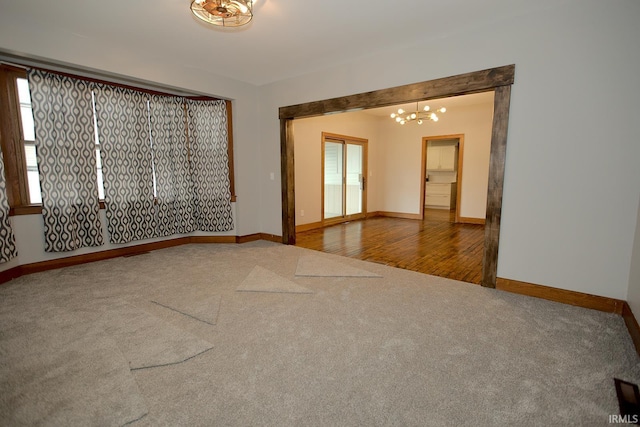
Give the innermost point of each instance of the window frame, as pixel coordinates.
(11, 139)
(12, 142)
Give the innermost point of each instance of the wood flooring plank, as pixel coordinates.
(435, 245)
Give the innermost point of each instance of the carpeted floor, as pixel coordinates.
(266, 334)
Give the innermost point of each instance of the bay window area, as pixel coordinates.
(73, 145)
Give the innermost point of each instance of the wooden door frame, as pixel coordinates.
(423, 175)
(497, 79)
(365, 162)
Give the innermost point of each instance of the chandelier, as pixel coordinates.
(225, 13)
(418, 115)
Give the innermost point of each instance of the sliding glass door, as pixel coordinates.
(344, 178)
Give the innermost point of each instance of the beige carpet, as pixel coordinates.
(65, 373)
(262, 280)
(199, 306)
(321, 266)
(147, 341)
(403, 349)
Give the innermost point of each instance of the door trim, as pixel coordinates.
(497, 79)
(425, 141)
(364, 143)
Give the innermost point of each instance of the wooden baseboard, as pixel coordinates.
(271, 237)
(99, 256)
(21, 270)
(595, 302)
(399, 215)
(308, 227)
(632, 325)
(467, 220)
(211, 239)
(259, 236)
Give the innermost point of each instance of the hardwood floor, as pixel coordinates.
(434, 246)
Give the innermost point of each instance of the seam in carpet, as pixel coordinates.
(186, 314)
(172, 363)
(275, 292)
(128, 423)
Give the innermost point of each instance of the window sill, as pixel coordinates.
(26, 210)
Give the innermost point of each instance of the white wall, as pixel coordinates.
(395, 154)
(633, 296)
(571, 180)
(401, 155)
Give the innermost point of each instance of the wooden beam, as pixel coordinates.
(498, 79)
(462, 84)
(502, 100)
(288, 182)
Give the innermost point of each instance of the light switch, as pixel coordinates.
(272, 176)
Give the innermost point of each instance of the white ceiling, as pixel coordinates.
(286, 37)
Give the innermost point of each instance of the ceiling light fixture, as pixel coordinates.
(418, 115)
(225, 13)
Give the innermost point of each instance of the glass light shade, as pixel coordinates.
(443, 110)
(393, 115)
(426, 108)
(433, 117)
(413, 115)
(400, 111)
(420, 121)
(225, 13)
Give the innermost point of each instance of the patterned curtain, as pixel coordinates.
(174, 188)
(66, 152)
(127, 167)
(210, 164)
(7, 239)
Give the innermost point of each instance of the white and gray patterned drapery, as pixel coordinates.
(210, 164)
(127, 168)
(7, 239)
(65, 149)
(174, 188)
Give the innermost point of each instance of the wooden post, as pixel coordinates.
(502, 100)
(288, 181)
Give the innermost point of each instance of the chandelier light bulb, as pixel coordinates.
(420, 115)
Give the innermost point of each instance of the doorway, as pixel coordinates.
(497, 79)
(344, 171)
(442, 173)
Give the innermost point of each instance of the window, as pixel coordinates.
(17, 136)
(29, 141)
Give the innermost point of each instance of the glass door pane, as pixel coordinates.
(333, 170)
(354, 177)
